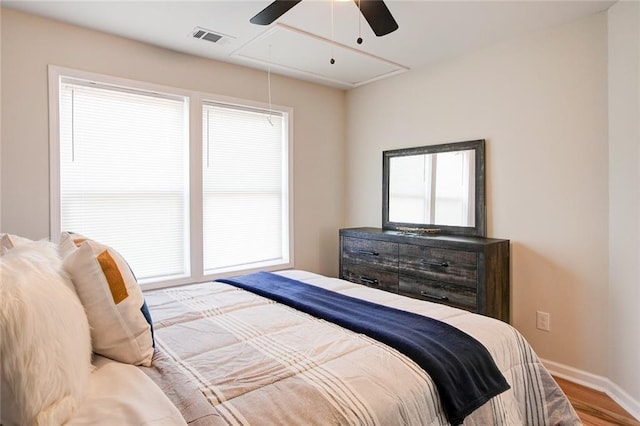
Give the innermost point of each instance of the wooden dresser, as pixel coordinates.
(471, 273)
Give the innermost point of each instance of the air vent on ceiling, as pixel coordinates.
(208, 35)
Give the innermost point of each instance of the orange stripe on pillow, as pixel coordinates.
(113, 276)
(78, 241)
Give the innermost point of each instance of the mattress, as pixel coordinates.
(227, 356)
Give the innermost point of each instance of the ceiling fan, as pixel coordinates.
(374, 11)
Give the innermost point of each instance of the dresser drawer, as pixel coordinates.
(373, 253)
(376, 278)
(471, 273)
(436, 291)
(438, 264)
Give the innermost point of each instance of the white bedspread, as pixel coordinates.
(120, 394)
(227, 356)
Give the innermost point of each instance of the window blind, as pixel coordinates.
(124, 174)
(245, 189)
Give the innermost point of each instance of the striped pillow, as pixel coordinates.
(121, 327)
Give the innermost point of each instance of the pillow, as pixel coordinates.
(9, 241)
(121, 394)
(121, 327)
(45, 356)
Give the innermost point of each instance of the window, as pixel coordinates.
(455, 190)
(244, 205)
(185, 186)
(433, 188)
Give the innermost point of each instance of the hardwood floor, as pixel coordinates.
(595, 408)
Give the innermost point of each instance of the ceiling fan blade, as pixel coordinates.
(272, 12)
(378, 16)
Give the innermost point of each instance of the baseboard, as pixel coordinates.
(595, 382)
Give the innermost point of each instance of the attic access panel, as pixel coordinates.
(289, 48)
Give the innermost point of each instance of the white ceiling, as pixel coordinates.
(301, 43)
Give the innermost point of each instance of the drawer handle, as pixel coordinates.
(366, 280)
(371, 253)
(432, 263)
(432, 297)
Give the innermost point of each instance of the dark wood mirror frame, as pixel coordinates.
(479, 228)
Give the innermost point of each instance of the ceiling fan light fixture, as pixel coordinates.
(375, 12)
(273, 11)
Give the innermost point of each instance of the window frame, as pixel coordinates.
(194, 102)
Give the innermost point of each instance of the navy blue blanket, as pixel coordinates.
(461, 367)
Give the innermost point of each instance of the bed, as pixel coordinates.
(227, 356)
(81, 344)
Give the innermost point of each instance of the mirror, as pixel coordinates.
(436, 188)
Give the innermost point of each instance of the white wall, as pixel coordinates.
(30, 43)
(1, 120)
(624, 197)
(540, 101)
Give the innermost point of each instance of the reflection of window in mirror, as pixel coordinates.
(433, 188)
(408, 189)
(454, 198)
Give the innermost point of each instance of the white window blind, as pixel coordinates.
(245, 188)
(124, 174)
(455, 195)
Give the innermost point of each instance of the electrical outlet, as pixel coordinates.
(543, 321)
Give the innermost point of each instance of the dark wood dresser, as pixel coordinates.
(471, 273)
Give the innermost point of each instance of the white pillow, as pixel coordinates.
(120, 324)
(45, 356)
(9, 241)
(121, 394)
